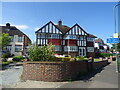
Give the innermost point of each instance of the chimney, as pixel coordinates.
(8, 25)
(59, 22)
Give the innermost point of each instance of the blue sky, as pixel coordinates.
(94, 17)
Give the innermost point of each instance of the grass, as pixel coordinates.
(5, 63)
(96, 60)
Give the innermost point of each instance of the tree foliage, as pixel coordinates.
(4, 40)
(118, 47)
(44, 53)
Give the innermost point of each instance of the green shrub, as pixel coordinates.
(6, 55)
(44, 53)
(103, 54)
(62, 58)
(17, 58)
(106, 54)
(96, 60)
(78, 58)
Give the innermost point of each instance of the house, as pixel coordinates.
(67, 40)
(19, 41)
(101, 46)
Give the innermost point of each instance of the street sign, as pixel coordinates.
(112, 40)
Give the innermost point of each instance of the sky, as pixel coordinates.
(96, 18)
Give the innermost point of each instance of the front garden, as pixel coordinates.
(45, 65)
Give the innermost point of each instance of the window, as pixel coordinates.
(90, 49)
(12, 38)
(90, 39)
(20, 38)
(71, 37)
(57, 48)
(82, 51)
(8, 48)
(71, 48)
(55, 36)
(81, 38)
(18, 48)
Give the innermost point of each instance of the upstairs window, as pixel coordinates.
(56, 36)
(90, 39)
(12, 38)
(71, 37)
(20, 39)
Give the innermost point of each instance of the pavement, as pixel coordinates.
(102, 78)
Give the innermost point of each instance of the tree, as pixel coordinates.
(118, 47)
(4, 40)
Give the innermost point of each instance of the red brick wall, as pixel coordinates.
(70, 42)
(54, 41)
(90, 54)
(55, 71)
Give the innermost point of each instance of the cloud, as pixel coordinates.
(17, 26)
(36, 28)
(21, 26)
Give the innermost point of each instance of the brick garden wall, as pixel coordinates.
(55, 71)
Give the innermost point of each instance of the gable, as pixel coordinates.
(76, 30)
(49, 28)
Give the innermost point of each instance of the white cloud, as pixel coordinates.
(21, 26)
(36, 28)
(17, 26)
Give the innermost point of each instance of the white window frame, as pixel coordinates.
(57, 48)
(71, 48)
(18, 48)
(90, 49)
(82, 53)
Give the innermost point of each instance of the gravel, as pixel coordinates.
(10, 76)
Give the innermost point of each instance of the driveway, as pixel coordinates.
(10, 75)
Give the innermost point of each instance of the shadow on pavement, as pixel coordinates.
(9, 66)
(91, 74)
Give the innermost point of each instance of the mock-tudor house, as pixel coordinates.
(19, 40)
(101, 46)
(72, 41)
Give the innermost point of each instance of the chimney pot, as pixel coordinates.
(59, 22)
(7, 25)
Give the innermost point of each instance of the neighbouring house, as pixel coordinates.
(72, 41)
(19, 40)
(101, 46)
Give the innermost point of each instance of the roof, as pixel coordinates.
(99, 40)
(63, 28)
(13, 31)
(90, 35)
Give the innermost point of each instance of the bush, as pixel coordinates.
(44, 53)
(17, 58)
(6, 55)
(104, 55)
(62, 59)
(78, 58)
